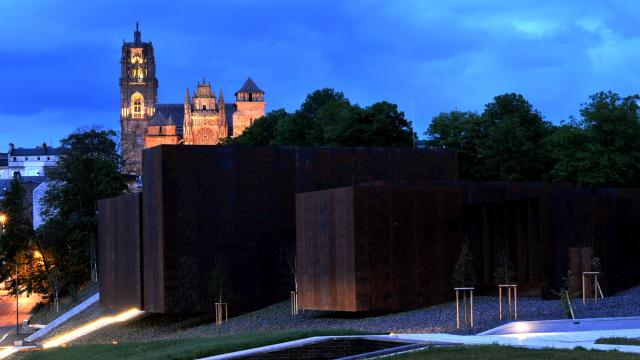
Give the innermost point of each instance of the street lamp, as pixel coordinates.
(3, 220)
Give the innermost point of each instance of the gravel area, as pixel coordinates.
(439, 318)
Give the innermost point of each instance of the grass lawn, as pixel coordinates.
(618, 341)
(177, 349)
(495, 352)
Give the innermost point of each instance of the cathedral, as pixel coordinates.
(203, 118)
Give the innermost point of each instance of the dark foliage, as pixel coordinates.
(328, 118)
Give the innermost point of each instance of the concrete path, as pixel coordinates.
(555, 340)
(512, 334)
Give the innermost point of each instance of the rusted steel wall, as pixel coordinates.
(119, 252)
(377, 247)
(326, 260)
(233, 207)
(400, 242)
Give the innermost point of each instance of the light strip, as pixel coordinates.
(91, 327)
(6, 352)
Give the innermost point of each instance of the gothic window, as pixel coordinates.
(204, 107)
(137, 104)
(206, 136)
(139, 139)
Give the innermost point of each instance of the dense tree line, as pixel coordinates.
(327, 117)
(511, 141)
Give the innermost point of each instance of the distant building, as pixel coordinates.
(30, 183)
(29, 161)
(4, 166)
(202, 119)
(37, 195)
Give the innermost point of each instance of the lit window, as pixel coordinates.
(137, 102)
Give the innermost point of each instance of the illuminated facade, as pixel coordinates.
(203, 118)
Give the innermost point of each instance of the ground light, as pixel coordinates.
(91, 327)
(7, 351)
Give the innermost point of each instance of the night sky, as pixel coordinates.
(59, 60)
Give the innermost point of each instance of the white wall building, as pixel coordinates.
(30, 161)
(38, 194)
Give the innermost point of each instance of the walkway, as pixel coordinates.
(580, 333)
(565, 334)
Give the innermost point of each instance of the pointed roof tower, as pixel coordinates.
(221, 100)
(249, 92)
(136, 34)
(249, 87)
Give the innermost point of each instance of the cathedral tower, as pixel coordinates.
(204, 122)
(249, 106)
(138, 98)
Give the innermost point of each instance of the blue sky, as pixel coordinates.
(59, 59)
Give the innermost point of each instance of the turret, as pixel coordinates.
(136, 35)
(223, 115)
(187, 131)
(249, 92)
(250, 106)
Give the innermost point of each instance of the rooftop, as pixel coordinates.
(38, 150)
(250, 87)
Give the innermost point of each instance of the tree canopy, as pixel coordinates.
(88, 170)
(327, 117)
(511, 141)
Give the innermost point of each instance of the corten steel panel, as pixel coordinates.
(119, 252)
(397, 227)
(235, 206)
(397, 251)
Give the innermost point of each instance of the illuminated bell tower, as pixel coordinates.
(138, 98)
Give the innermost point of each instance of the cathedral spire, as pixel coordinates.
(136, 34)
(223, 116)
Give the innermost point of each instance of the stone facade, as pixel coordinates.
(203, 118)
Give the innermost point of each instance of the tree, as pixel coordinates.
(501, 144)
(16, 238)
(463, 132)
(328, 118)
(321, 109)
(601, 148)
(380, 124)
(262, 132)
(504, 273)
(464, 273)
(88, 170)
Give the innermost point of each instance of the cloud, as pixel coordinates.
(59, 62)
